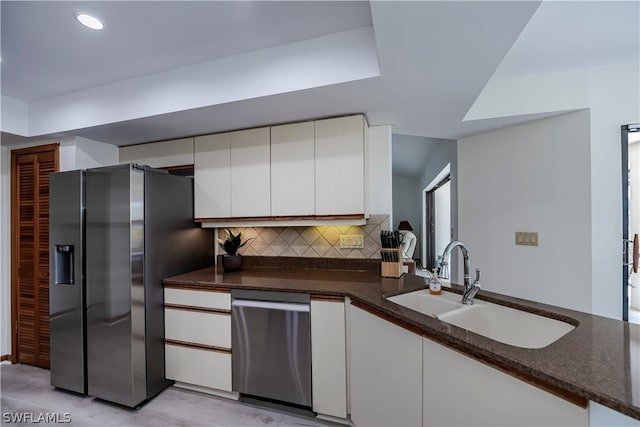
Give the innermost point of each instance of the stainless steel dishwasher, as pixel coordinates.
(271, 342)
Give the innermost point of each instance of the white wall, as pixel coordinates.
(611, 93)
(67, 160)
(442, 200)
(13, 116)
(442, 155)
(531, 177)
(5, 251)
(75, 153)
(92, 154)
(351, 54)
(407, 205)
(67, 155)
(614, 93)
(378, 171)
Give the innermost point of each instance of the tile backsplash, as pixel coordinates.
(313, 242)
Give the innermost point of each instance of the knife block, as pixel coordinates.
(394, 268)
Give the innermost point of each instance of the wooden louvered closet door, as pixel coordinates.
(30, 169)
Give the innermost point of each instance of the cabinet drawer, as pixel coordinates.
(206, 299)
(198, 327)
(200, 367)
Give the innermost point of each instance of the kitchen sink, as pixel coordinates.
(431, 305)
(508, 325)
(504, 324)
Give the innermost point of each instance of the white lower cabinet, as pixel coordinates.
(601, 416)
(195, 298)
(205, 368)
(369, 368)
(198, 327)
(198, 339)
(328, 358)
(399, 378)
(460, 391)
(386, 372)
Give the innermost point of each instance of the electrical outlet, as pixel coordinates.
(351, 241)
(527, 238)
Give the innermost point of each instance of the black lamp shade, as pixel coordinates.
(404, 225)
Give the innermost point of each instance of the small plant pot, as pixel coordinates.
(231, 263)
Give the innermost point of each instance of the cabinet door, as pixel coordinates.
(460, 391)
(328, 358)
(212, 176)
(293, 170)
(177, 152)
(197, 327)
(250, 173)
(601, 416)
(214, 298)
(197, 366)
(339, 166)
(386, 373)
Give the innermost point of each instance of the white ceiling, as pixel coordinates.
(45, 52)
(434, 60)
(568, 35)
(410, 154)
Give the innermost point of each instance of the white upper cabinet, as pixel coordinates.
(295, 174)
(212, 176)
(251, 173)
(339, 155)
(293, 170)
(177, 152)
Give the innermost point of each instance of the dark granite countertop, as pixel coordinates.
(598, 360)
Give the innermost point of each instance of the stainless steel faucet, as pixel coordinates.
(470, 289)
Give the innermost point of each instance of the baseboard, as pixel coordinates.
(5, 357)
(336, 420)
(220, 393)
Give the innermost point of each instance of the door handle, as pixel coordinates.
(636, 253)
(270, 305)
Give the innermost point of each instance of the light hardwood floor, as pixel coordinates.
(26, 388)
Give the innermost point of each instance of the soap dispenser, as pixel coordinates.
(435, 285)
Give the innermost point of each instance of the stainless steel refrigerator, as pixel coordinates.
(115, 233)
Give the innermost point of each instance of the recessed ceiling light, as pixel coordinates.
(89, 21)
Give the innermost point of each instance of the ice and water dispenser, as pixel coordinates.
(64, 265)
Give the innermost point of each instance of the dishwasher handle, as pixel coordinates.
(271, 305)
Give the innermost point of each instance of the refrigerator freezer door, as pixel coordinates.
(66, 287)
(115, 293)
(174, 244)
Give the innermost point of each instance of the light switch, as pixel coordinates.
(527, 238)
(351, 241)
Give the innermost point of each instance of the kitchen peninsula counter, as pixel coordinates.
(597, 361)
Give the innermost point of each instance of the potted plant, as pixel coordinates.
(232, 261)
